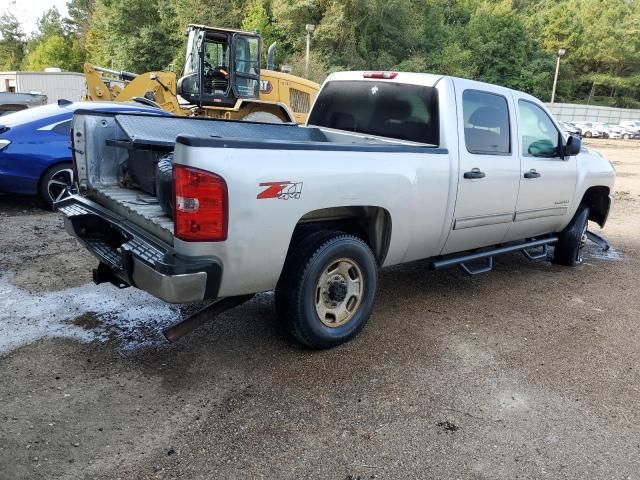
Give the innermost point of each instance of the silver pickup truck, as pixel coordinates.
(391, 168)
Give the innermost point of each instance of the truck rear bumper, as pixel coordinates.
(132, 257)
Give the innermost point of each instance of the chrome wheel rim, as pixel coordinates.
(339, 292)
(59, 183)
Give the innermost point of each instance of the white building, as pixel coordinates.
(55, 85)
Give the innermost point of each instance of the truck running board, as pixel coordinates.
(464, 261)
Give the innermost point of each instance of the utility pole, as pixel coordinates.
(561, 52)
(309, 27)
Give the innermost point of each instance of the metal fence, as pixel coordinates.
(575, 112)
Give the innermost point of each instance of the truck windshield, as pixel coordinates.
(394, 110)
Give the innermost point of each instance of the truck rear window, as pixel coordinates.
(394, 110)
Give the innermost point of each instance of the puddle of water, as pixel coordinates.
(132, 316)
(594, 251)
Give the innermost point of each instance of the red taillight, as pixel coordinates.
(201, 205)
(381, 75)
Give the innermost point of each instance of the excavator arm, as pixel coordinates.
(157, 87)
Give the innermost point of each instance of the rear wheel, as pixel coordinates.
(327, 289)
(55, 182)
(587, 134)
(572, 239)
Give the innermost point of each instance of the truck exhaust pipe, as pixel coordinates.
(271, 56)
(208, 312)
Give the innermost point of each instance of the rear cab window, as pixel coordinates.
(385, 109)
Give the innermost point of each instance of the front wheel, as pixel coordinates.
(55, 182)
(327, 289)
(572, 239)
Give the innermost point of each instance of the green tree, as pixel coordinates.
(52, 45)
(53, 51)
(502, 51)
(12, 43)
(79, 20)
(135, 35)
(509, 42)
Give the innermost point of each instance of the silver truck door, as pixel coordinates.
(489, 168)
(547, 180)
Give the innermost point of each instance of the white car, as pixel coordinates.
(632, 126)
(624, 132)
(570, 128)
(610, 130)
(590, 130)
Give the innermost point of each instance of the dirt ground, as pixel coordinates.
(531, 371)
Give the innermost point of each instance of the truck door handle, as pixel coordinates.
(532, 174)
(474, 173)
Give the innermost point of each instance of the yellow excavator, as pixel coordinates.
(221, 79)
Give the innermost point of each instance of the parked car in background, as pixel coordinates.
(621, 132)
(609, 130)
(14, 102)
(35, 155)
(595, 129)
(632, 126)
(570, 128)
(628, 133)
(589, 130)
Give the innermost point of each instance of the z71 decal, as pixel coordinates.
(280, 190)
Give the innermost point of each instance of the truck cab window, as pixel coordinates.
(540, 138)
(403, 112)
(486, 123)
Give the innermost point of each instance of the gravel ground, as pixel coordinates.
(532, 371)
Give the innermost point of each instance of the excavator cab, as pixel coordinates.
(221, 67)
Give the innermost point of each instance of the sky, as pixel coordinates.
(28, 11)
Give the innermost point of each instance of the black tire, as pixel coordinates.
(571, 241)
(54, 181)
(587, 134)
(299, 291)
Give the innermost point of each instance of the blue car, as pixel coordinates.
(35, 155)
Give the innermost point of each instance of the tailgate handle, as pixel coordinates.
(474, 173)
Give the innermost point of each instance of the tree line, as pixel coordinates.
(509, 42)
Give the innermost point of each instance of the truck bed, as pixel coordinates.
(138, 207)
(107, 141)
